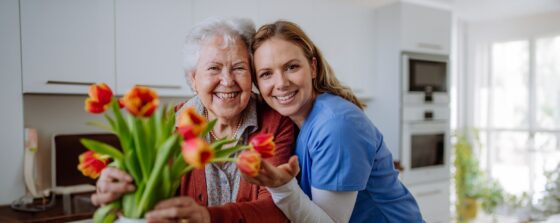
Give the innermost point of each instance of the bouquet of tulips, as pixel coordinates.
(155, 151)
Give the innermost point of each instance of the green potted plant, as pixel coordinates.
(471, 185)
(467, 177)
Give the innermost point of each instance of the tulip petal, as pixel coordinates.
(249, 163)
(197, 153)
(264, 144)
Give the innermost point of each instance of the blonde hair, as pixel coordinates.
(326, 80)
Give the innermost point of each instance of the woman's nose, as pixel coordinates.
(226, 78)
(282, 81)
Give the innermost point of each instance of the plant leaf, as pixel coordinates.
(209, 127)
(227, 152)
(217, 146)
(132, 166)
(100, 125)
(106, 213)
(128, 202)
(162, 157)
(141, 151)
(102, 148)
(122, 129)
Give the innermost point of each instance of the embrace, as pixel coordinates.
(331, 164)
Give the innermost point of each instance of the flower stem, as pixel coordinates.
(225, 159)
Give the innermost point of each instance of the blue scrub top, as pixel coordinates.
(339, 149)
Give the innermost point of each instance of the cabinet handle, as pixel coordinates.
(161, 86)
(70, 82)
(432, 192)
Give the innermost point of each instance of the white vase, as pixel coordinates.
(123, 219)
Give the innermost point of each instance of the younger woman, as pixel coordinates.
(347, 172)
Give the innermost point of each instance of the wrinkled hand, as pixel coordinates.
(178, 208)
(111, 185)
(272, 176)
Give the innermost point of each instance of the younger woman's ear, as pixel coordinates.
(314, 68)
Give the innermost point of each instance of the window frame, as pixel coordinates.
(488, 129)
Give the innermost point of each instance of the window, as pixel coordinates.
(517, 109)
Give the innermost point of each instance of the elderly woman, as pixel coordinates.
(218, 67)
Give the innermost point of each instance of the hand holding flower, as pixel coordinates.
(179, 208)
(112, 185)
(274, 176)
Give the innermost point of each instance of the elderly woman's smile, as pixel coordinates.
(226, 95)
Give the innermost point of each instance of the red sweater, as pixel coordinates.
(254, 203)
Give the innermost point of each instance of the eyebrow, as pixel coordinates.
(283, 65)
(240, 62)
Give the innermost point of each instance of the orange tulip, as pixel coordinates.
(100, 96)
(263, 143)
(190, 123)
(249, 163)
(197, 153)
(92, 163)
(140, 101)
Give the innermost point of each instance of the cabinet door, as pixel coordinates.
(425, 29)
(433, 200)
(225, 8)
(67, 45)
(149, 39)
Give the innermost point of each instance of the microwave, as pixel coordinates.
(425, 78)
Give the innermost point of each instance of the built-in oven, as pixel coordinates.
(425, 144)
(425, 78)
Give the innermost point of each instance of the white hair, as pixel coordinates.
(230, 29)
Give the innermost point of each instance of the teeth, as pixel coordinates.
(286, 97)
(226, 95)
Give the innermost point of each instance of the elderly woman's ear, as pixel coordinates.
(190, 76)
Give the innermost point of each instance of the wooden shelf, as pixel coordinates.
(54, 214)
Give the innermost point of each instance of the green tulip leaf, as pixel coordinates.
(102, 148)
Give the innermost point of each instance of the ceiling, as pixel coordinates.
(482, 10)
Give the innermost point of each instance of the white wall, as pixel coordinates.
(11, 115)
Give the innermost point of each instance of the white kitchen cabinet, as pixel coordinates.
(349, 48)
(149, 42)
(225, 8)
(425, 29)
(404, 28)
(433, 199)
(67, 45)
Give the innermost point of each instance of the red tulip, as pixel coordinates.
(249, 163)
(263, 143)
(140, 101)
(121, 103)
(190, 123)
(197, 153)
(100, 96)
(92, 163)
